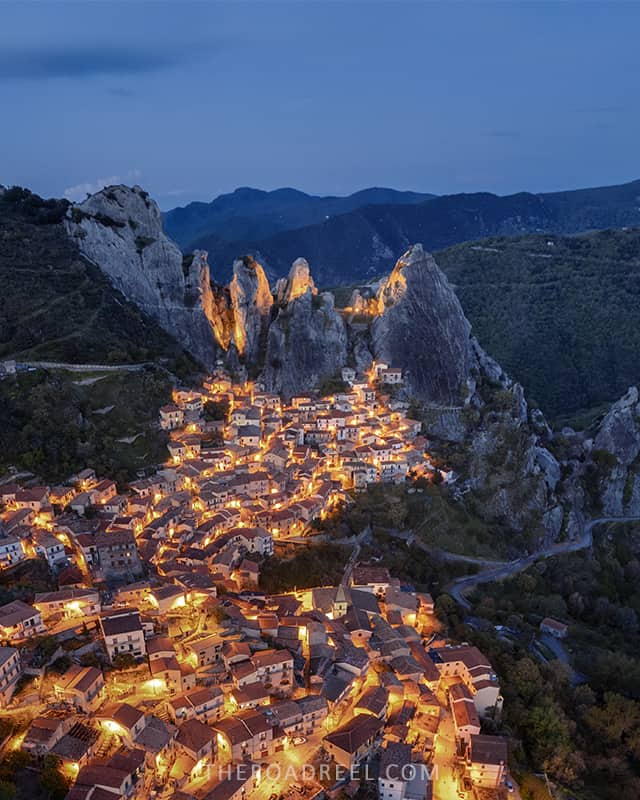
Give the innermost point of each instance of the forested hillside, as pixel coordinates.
(560, 314)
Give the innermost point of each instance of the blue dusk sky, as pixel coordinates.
(194, 99)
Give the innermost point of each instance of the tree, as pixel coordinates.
(53, 782)
(123, 661)
(7, 790)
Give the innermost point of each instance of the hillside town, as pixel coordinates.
(158, 668)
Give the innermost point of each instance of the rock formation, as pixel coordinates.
(306, 343)
(299, 281)
(251, 303)
(615, 453)
(422, 329)
(120, 230)
(412, 320)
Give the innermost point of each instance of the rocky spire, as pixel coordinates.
(422, 329)
(298, 282)
(307, 341)
(251, 303)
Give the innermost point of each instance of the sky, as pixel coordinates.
(191, 100)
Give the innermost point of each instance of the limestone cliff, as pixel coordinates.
(615, 457)
(307, 341)
(421, 328)
(120, 230)
(251, 303)
(412, 320)
(474, 414)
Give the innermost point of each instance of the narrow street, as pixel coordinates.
(445, 781)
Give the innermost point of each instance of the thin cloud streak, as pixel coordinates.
(85, 61)
(78, 192)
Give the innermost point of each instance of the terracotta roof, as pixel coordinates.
(242, 726)
(124, 714)
(120, 622)
(394, 757)
(194, 735)
(488, 749)
(352, 735)
(467, 654)
(159, 644)
(251, 693)
(374, 700)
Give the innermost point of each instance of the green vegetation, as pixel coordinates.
(11, 765)
(25, 580)
(427, 572)
(333, 385)
(55, 423)
(52, 782)
(559, 313)
(56, 306)
(434, 516)
(142, 242)
(216, 410)
(321, 565)
(585, 733)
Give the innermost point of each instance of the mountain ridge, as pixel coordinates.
(364, 243)
(248, 213)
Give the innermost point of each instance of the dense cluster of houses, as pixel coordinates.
(337, 673)
(178, 664)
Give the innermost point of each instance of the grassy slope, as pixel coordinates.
(563, 319)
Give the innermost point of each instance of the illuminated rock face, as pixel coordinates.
(306, 343)
(421, 328)
(417, 323)
(251, 303)
(299, 281)
(120, 230)
(363, 301)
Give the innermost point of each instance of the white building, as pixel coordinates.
(19, 620)
(171, 417)
(399, 778)
(10, 671)
(11, 551)
(123, 634)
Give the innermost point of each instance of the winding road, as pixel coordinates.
(460, 587)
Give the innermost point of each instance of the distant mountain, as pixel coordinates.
(255, 214)
(364, 243)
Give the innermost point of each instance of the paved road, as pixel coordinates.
(460, 587)
(446, 555)
(85, 367)
(346, 575)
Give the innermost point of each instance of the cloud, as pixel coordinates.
(175, 192)
(120, 91)
(601, 110)
(81, 190)
(504, 134)
(81, 61)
